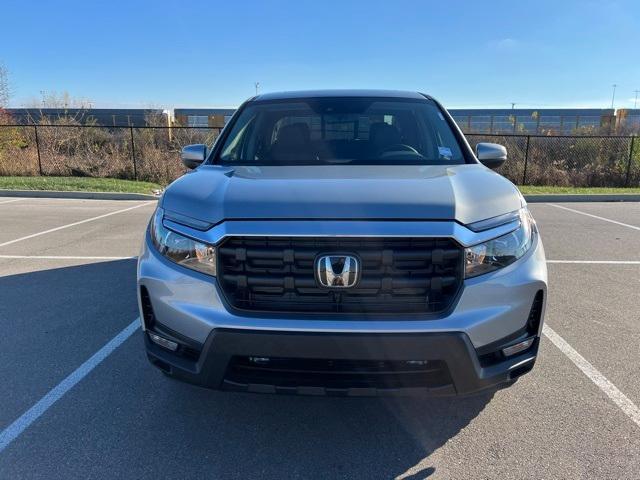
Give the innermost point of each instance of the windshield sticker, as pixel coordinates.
(444, 152)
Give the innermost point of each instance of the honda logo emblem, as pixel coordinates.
(337, 271)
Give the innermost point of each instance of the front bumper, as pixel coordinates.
(492, 310)
(464, 372)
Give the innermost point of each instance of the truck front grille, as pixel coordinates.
(399, 275)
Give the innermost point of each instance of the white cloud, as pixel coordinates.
(504, 44)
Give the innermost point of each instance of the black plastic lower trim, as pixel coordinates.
(464, 371)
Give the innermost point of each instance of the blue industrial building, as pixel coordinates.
(543, 121)
(561, 121)
(111, 117)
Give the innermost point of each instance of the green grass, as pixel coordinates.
(83, 184)
(77, 184)
(532, 189)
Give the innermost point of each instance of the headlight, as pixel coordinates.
(180, 249)
(502, 251)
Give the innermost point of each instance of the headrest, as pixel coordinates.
(384, 134)
(296, 134)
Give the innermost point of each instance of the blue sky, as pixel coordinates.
(181, 53)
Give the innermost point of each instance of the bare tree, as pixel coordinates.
(64, 100)
(53, 99)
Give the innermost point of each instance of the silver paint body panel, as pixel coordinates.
(465, 193)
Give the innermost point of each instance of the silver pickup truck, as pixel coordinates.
(343, 243)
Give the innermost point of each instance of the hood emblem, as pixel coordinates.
(337, 271)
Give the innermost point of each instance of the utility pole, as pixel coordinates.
(613, 96)
(257, 85)
(635, 101)
(42, 92)
(169, 123)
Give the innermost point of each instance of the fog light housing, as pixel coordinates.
(163, 342)
(518, 347)
(259, 360)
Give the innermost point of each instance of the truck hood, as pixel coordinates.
(466, 193)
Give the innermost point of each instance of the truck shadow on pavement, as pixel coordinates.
(266, 436)
(54, 318)
(127, 420)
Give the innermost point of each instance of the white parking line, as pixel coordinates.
(594, 216)
(619, 398)
(11, 201)
(64, 257)
(598, 262)
(14, 430)
(75, 257)
(51, 230)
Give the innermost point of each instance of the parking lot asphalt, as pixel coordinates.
(66, 293)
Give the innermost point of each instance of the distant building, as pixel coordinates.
(203, 117)
(524, 121)
(112, 117)
(628, 120)
(562, 121)
(544, 121)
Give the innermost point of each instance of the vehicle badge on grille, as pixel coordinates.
(337, 271)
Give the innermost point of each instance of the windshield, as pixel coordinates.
(352, 131)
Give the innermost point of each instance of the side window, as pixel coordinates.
(197, 121)
(339, 127)
(364, 124)
(234, 149)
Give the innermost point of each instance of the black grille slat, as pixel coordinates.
(310, 254)
(399, 275)
(368, 283)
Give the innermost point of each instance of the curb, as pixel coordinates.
(591, 197)
(536, 198)
(79, 195)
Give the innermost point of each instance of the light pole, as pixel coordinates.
(613, 96)
(257, 85)
(635, 101)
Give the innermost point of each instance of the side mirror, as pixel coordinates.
(491, 155)
(193, 155)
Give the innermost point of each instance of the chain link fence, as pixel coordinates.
(136, 153)
(571, 161)
(152, 154)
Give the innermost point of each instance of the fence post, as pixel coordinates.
(35, 130)
(133, 154)
(526, 160)
(633, 141)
